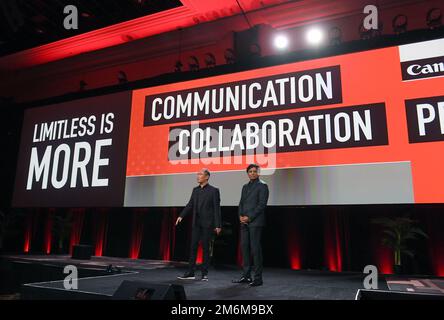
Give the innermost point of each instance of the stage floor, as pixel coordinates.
(279, 284)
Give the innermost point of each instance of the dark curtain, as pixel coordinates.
(136, 232)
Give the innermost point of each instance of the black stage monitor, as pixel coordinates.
(141, 290)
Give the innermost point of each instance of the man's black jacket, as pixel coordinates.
(253, 202)
(205, 206)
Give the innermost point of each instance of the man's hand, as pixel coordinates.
(179, 219)
(244, 219)
(218, 230)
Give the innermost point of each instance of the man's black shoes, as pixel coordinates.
(187, 276)
(251, 283)
(256, 283)
(243, 280)
(190, 276)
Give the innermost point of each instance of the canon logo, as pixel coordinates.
(424, 68)
(417, 69)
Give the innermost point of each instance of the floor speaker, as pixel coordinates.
(82, 252)
(140, 290)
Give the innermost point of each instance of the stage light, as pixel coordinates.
(281, 42)
(314, 36)
(193, 63)
(399, 24)
(210, 60)
(433, 18)
(229, 56)
(121, 77)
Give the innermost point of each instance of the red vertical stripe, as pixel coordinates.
(100, 228)
(28, 232)
(47, 241)
(199, 258)
(175, 214)
(136, 233)
(338, 243)
(385, 260)
(294, 240)
(382, 256)
(78, 216)
(332, 241)
(165, 235)
(168, 234)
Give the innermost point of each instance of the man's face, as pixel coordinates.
(201, 177)
(253, 173)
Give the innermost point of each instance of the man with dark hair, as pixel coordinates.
(205, 206)
(252, 206)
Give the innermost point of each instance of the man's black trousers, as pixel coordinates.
(251, 246)
(202, 234)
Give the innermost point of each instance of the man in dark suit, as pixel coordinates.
(205, 206)
(252, 219)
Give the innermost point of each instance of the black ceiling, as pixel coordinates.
(29, 23)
